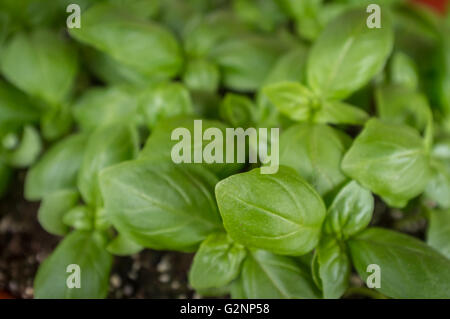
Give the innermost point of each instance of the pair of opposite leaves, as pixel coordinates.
(390, 161)
(345, 57)
(246, 213)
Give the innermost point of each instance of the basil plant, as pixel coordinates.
(361, 101)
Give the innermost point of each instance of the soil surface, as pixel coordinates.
(24, 245)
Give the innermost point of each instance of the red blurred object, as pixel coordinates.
(438, 5)
(5, 295)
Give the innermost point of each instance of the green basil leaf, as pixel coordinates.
(438, 187)
(113, 72)
(348, 54)
(315, 270)
(289, 226)
(53, 208)
(129, 40)
(204, 33)
(441, 83)
(101, 221)
(447, 16)
(161, 205)
(140, 8)
(238, 110)
(315, 152)
(85, 249)
(441, 151)
(350, 212)
(438, 234)
(202, 75)
(123, 246)
(292, 99)
(245, 61)
(306, 16)
(164, 101)
(216, 263)
(57, 169)
(268, 276)
(267, 114)
(290, 67)
(106, 146)
(178, 14)
(237, 289)
(16, 109)
(334, 267)
(336, 112)
(260, 14)
(56, 123)
(329, 11)
(159, 145)
(400, 105)
(27, 151)
(41, 64)
(105, 106)
(79, 217)
(32, 13)
(404, 71)
(9, 140)
(390, 160)
(215, 292)
(409, 267)
(5, 26)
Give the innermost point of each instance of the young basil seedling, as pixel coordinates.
(93, 113)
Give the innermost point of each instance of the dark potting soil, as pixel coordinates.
(24, 245)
